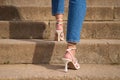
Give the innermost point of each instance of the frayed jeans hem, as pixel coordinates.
(73, 41)
(58, 12)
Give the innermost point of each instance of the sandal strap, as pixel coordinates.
(59, 22)
(69, 50)
(59, 19)
(75, 61)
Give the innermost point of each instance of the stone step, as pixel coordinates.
(96, 29)
(55, 72)
(102, 51)
(44, 13)
(24, 29)
(14, 10)
(46, 30)
(48, 2)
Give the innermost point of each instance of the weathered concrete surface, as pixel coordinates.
(55, 72)
(41, 51)
(2, 2)
(24, 29)
(101, 30)
(99, 13)
(95, 30)
(117, 13)
(46, 30)
(25, 13)
(48, 2)
(44, 13)
(41, 10)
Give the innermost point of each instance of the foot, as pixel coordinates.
(59, 24)
(59, 36)
(70, 54)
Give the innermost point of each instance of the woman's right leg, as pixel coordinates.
(76, 14)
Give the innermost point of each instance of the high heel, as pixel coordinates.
(66, 61)
(71, 63)
(59, 33)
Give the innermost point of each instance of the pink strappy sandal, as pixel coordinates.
(71, 63)
(59, 33)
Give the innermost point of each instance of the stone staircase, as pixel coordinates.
(28, 52)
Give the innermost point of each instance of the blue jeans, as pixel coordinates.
(76, 14)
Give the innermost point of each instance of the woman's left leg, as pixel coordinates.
(58, 11)
(57, 7)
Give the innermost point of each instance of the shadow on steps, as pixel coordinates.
(27, 30)
(9, 13)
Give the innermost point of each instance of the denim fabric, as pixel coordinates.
(76, 15)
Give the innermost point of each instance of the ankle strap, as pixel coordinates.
(59, 19)
(59, 22)
(70, 49)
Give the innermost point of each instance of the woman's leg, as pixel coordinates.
(77, 12)
(57, 7)
(58, 11)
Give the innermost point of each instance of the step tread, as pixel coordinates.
(42, 41)
(37, 6)
(114, 21)
(105, 51)
(56, 72)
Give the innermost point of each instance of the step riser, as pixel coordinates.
(26, 2)
(23, 51)
(46, 30)
(92, 13)
(117, 13)
(44, 13)
(95, 30)
(24, 30)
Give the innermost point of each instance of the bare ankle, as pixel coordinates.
(71, 45)
(59, 23)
